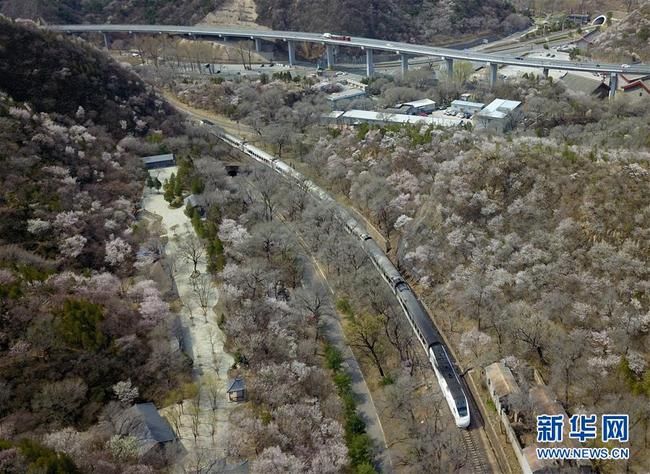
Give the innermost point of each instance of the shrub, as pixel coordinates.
(79, 325)
(333, 358)
(359, 449)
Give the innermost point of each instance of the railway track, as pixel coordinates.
(476, 460)
(470, 436)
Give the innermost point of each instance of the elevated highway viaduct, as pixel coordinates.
(404, 50)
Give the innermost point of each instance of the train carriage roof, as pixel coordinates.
(382, 260)
(447, 371)
(420, 317)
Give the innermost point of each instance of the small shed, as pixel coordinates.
(416, 107)
(156, 440)
(236, 390)
(348, 95)
(194, 202)
(158, 161)
(501, 383)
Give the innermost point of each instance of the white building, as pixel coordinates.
(499, 115)
(416, 107)
(356, 117)
(341, 98)
(466, 106)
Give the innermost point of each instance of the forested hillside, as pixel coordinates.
(409, 20)
(531, 248)
(110, 11)
(82, 332)
(58, 74)
(422, 20)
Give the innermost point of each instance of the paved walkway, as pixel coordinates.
(202, 422)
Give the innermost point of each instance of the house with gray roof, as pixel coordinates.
(589, 86)
(156, 440)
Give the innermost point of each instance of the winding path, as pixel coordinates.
(202, 341)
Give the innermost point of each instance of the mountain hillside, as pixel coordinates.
(628, 40)
(56, 74)
(79, 322)
(392, 19)
(111, 11)
(423, 20)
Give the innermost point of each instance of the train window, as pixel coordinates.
(462, 410)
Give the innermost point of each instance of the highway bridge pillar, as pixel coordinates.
(105, 40)
(450, 68)
(258, 45)
(494, 69)
(329, 50)
(291, 46)
(370, 65)
(545, 72)
(613, 84)
(404, 59)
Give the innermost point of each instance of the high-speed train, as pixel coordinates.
(426, 333)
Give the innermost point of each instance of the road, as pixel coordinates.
(359, 42)
(314, 277)
(333, 332)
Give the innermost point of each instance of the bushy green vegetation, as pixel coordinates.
(29, 457)
(79, 324)
(359, 444)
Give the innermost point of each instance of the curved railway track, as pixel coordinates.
(476, 459)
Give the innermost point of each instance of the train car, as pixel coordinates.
(259, 154)
(383, 263)
(431, 341)
(450, 384)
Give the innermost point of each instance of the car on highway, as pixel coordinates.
(625, 66)
(336, 37)
(207, 122)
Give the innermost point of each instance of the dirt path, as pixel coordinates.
(201, 422)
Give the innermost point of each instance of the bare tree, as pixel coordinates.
(365, 334)
(314, 302)
(174, 418)
(204, 291)
(195, 418)
(190, 248)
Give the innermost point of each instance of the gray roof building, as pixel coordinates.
(417, 106)
(143, 422)
(158, 161)
(347, 95)
(466, 106)
(356, 117)
(585, 85)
